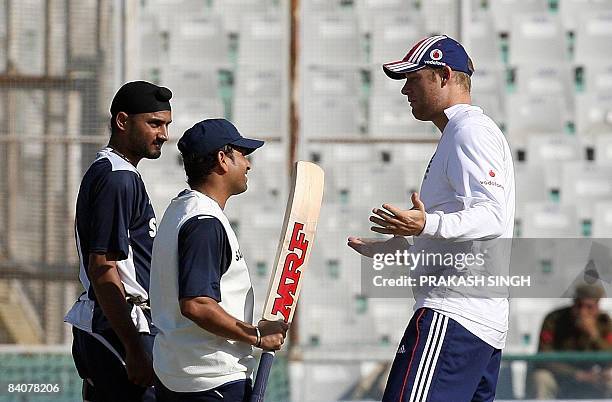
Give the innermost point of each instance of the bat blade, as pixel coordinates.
(295, 244)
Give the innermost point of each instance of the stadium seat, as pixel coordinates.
(489, 78)
(331, 117)
(585, 183)
(551, 152)
(188, 111)
(330, 155)
(406, 154)
(310, 6)
(598, 77)
(529, 115)
(199, 41)
(537, 37)
(332, 39)
(482, 44)
(263, 40)
(338, 325)
(181, 9)
(489, 91)
(571, 11)
(390, 318)
(504, 11)
(234, 11)
(393, 35)
(602, 222)
(383, 85)
(531, 186)
(603, 149)
(254, 80)
(331, 106)
(551, 79)
(550, 220)
(391, 117)
(593, 113)
(370, 11)
(260, 116)
(260, 101)
(331, 81)
(362, 183)
(440, 17)
(151, 56)
(594, 39)
(191, 82)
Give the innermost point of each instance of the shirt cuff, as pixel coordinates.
(431, 225)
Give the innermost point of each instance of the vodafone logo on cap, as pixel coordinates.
(436, 54)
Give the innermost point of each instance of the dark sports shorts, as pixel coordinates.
(99, 359)
(234, 391)
(438, 360)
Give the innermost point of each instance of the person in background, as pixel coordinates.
(580, 327)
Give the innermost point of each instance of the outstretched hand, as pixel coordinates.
(366, 247)
(394, 221)
(369, 247)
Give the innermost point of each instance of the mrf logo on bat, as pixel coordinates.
(290, 276)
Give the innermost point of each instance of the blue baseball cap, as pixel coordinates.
(435, 51)
(211, 135)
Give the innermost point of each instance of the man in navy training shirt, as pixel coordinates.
(115, 227)
(201, 293)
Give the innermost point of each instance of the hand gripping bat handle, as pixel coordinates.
(261, 379)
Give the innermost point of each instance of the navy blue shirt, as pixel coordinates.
(113, 216)
(204, 256)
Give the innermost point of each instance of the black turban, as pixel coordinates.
(141, 97)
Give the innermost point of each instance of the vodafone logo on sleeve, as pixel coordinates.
(489, 181)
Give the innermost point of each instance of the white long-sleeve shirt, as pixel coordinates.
(468, 192)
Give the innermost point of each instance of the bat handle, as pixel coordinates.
(263, 372)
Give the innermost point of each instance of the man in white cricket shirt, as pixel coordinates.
(451, 350)
(201, 293)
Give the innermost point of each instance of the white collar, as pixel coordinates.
(453, 110)
(205, 197)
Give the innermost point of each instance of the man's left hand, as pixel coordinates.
(398, 222)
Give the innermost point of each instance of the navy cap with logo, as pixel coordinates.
(211, 135)
(435, 51)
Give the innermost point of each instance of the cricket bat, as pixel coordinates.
(297, 238)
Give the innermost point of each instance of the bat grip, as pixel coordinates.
(263, 372)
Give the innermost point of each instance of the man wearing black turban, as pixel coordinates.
(115, 227)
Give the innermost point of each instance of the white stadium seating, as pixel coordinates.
(199, 41)
(550, 220)
(331, 38)
(594, 38)
(503, 11)
(536, 37)
(393, 35)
